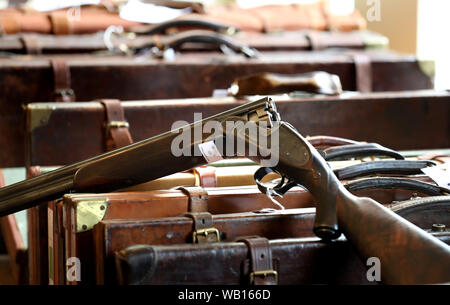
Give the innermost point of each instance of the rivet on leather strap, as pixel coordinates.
(198, 198)
(261, 263)
(204, 231)
(117, 133)
(62, 81)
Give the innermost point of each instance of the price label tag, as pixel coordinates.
(439, 173)
(210, 152)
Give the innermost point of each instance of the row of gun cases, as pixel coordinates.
(74, 90)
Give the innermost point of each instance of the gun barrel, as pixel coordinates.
(130, 165)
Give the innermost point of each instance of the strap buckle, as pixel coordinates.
(263, 274)
(116, 124)
(205, 232)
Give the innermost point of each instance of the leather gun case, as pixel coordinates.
(70, 223)
(307, 40)
(259, 19)
(291, 261)
(400, 120)
(113, 235)
(86, 78)
(94, 77)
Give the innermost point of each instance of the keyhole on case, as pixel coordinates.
(203, 221)
(262, 256)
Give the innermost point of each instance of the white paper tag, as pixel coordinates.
(138, 11)
(439, 173)
(210, 152)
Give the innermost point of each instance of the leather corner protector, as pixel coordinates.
(38, 117)
(428, 67)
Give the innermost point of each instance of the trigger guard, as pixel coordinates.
(278, 190)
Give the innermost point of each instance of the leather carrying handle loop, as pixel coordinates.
(202, 36)
(361, 150)
(180, 23)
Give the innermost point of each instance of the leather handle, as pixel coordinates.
(396, 183)
(180, 23)
(359, 151)
(329, 141)
(272, 83)
(396, 167)
(201, 36)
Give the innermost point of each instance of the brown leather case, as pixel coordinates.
(278, 41)
(79, 240)
(383, 118)
(95, 77)
(266, 18)
(171, 203)
(51, 223)
(116, 234)
(112, 235)
(59, 22)
(296, 16)
(295, 261)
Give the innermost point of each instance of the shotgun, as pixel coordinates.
(408, 255)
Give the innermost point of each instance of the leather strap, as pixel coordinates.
(198, 198)
(207, 176)
(315, 41)
(385, 167)
(204, 231)
(261, 263)
(363, 71)
(31, 44)
(359, 151)
(396, 183)
(61, 24)
(117, 133)
(62, 81)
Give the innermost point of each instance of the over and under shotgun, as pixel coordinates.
(408, 255)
